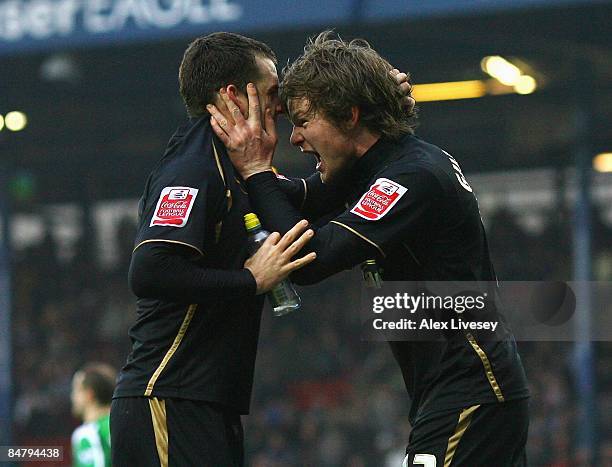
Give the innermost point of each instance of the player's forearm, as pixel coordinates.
(311, 196)
(271, 203)
(321, 199)
(159, 271)
(337, 249)
(294, 188)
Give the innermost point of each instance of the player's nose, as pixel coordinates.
(296, 137)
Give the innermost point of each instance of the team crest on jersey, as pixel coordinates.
(174, 206)
(377, 202)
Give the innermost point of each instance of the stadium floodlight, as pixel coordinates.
(507, 77)
(1, 122)
(508, 74)
(603, 162)
(525, 84)
(15, 120)
(448, 91)
(501, 69)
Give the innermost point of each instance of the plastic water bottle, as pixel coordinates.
(283, 297)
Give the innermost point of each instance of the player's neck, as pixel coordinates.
(96, 412)
(363, 140)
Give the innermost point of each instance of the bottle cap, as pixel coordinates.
(251, 221)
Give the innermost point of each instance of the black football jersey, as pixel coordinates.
(203, 351)
(409, 207)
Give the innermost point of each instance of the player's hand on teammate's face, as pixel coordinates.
(250, 141)
(223, 111)
(273, 261)
(408, 101)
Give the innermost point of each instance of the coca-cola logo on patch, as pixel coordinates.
(381, 197)
(174, 206)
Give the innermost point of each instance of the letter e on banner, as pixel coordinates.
(382, 196)
(174, 206)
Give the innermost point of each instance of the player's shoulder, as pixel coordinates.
(416, 154)
(83, 434)
(427, 162)
(192, 157)
(414, 162)
(192, 147)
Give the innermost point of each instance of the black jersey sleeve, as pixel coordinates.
(181, 205)
(395, 203)
(311, 196)
(165, 271)
(378, 219)
(294, 188)
(337, 248)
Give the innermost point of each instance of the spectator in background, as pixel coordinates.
(92, 393)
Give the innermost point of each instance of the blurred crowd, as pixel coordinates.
(322, 396)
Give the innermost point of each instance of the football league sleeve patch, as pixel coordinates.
(379, 199)
(174, 206)
(392, 207)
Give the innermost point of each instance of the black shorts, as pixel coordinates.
(147, 431)
(479, 436)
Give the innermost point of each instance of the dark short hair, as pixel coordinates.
(216, 60)
(100, 378)
(335, 75)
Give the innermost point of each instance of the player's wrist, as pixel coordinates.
(258, 286)
(246, 173)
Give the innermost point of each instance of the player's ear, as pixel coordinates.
(354, 120)
(238, 98)
(89, 394)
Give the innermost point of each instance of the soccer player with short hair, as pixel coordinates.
(189, 375)
(92, 392)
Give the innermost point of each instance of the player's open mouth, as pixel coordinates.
(318, 158)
